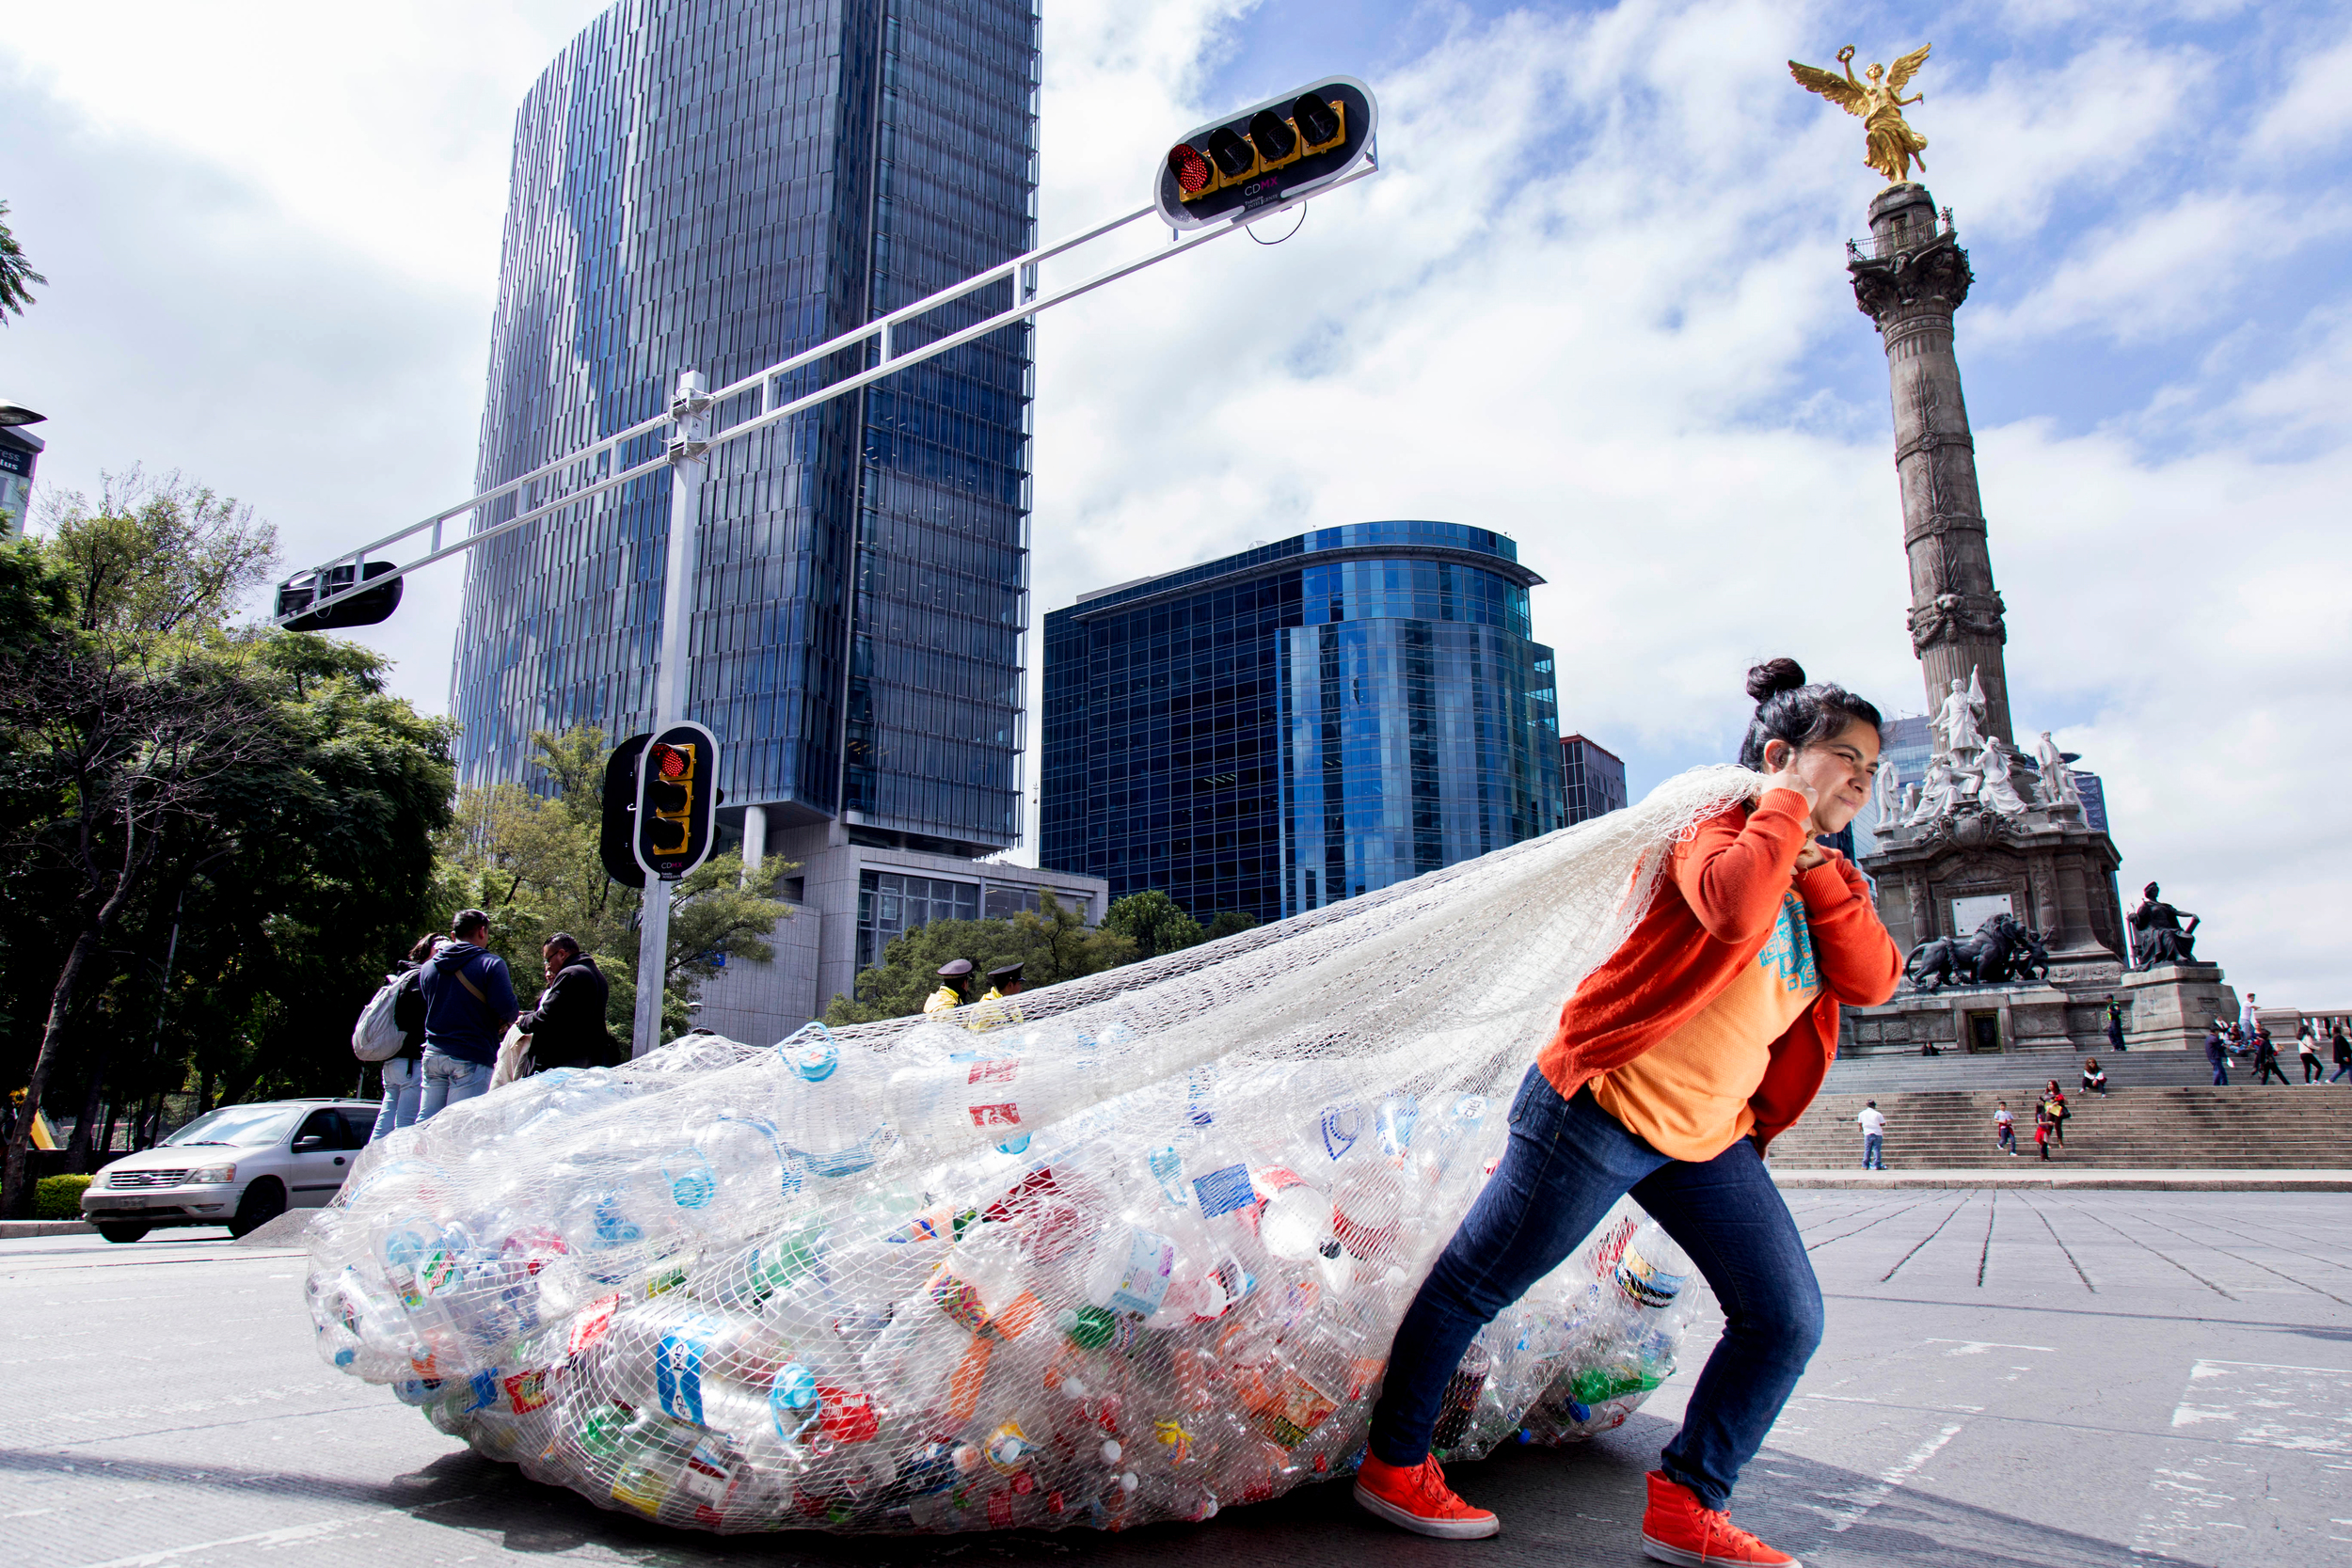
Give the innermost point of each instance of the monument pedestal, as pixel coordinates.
(2171, 1006)
(1978, 1020)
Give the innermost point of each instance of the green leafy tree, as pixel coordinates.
(1225, 922)
(1155, 922)
(129, 724)
(1053, 944)
(15, 272)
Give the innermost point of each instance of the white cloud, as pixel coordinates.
(2163, 275)
(2315, 110)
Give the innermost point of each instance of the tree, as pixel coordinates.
(1153, 921)
(15, 272)
(1052, 945)
(1225, 922)
(125, 723)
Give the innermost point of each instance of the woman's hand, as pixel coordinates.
(1787, 777)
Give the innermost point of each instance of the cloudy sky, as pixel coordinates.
(1595, 300)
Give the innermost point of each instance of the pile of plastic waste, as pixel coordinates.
(1095, 1330)
(1085, 1261)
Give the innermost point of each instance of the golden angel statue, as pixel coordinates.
(1892, 145)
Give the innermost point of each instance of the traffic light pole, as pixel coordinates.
(596, 467)
(689, 459)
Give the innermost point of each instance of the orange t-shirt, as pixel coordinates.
(1687, 1095)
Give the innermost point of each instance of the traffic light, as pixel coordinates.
(618, 831)
(295, 597)
(1285, 147)
(677, 779)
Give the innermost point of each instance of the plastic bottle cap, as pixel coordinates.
(1111, 1450)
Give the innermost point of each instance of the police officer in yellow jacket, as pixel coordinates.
(1003, 983)
(955, 988)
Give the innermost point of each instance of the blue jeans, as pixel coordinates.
(447, 1080)
(402, 1083)
(1569, 1160)
(1872, 1159)
(2222, 1072)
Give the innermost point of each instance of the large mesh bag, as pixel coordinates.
(1124, 1249)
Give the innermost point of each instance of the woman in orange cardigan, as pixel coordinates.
(1676, 1063)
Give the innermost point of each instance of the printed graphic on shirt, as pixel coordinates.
(1789, 951)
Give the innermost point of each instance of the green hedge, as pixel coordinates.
(59, 1197)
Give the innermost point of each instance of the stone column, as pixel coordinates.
(1914, 277)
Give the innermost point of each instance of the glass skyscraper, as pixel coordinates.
(716, 184)
(1301, 722)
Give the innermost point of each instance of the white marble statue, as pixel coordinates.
(2000, 791)
(1939, 794)
(1890, 797)
(2057, 789)
(1960, 722)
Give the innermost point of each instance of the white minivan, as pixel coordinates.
(241, 1166)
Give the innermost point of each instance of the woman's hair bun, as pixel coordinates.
(1773, 676)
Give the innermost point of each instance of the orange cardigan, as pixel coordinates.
(1712, 915)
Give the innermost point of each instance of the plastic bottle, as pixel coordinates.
(828, 1108)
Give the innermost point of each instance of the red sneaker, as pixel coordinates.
(1679, 1529)
(1417, 1499)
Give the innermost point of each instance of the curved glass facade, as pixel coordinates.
(715, 186)
(1301, 722)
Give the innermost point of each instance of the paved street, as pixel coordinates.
(2029, 1378)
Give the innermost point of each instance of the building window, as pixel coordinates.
(890, 902)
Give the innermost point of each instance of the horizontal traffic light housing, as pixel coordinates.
(296, 596)
(1286, 146)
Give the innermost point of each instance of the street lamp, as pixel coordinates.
(16, 413)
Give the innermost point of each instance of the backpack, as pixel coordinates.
(382, 1032)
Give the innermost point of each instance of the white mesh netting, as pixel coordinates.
(1124, 1249)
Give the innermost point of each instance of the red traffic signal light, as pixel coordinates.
(1282, 148)
(676, 793)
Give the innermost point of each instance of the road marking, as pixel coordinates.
(2264, 1404)
(1978, 1347)
(1860, 1503)
(265, 1538)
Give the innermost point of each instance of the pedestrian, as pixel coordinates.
(2235, 1042)
(2343, 1055)
(468, 1002)
(2115, 1025)
(1873, 1137)
(568, 1027)
(2054, 1098)
(2004, 1129)
(2216, 1054)
(403, 1075)
(2307, 1047)
(1673, 1066)
(2095, 1077)
(2265, 1059)
(2042, 1125)
(955, 988)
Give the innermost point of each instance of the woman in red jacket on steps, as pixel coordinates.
(1703, 1036)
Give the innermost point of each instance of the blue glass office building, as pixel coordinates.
(1301, 722)
(716, 184)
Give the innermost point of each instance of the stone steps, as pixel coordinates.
(2183, 1127)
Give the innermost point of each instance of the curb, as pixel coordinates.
(10, 1229)
(2110, 1180)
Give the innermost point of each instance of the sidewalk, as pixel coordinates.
(2035, 1174)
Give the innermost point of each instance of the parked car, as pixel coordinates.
(241, 1166)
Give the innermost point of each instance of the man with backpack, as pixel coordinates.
(468, 1002)
(568, 1027)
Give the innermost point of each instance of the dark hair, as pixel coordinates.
(1789, 709)
(562, 941)
(423, 949)
(468, 920)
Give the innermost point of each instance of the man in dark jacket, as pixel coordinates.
(566, 1028)
(468, 1002)
(2217, 1053)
